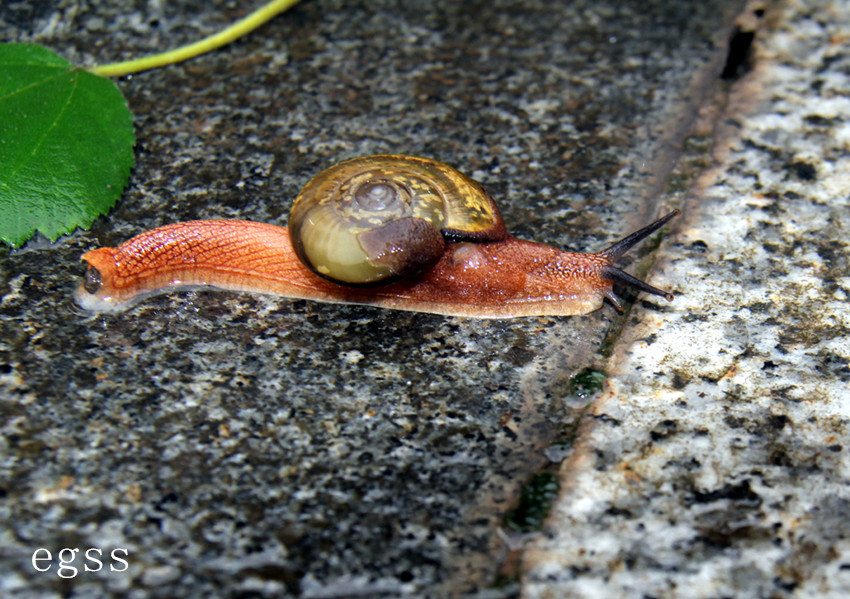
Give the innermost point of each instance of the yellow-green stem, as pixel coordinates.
(235, 31)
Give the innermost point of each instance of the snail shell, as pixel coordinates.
(372, 220)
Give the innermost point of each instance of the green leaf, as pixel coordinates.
(66, 144)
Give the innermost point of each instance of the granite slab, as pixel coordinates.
(715, 462)
(245, 446)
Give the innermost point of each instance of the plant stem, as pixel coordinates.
(217, 40)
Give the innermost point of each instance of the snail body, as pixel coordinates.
(430, 240)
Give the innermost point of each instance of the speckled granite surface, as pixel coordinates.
(242, 446)
(716, 462)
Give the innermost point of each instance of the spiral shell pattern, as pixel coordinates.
(379, 218)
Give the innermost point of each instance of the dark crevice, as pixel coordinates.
(740, 50)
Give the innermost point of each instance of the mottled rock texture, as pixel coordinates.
(716, 462)
(242, 446)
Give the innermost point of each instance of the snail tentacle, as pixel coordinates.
(615, 275)
(616, 251)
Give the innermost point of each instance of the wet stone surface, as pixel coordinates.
(716, 463)
(247, 446)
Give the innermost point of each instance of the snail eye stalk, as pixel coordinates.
(616, 275)
(616, 251)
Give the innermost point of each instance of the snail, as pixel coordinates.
(392, 231)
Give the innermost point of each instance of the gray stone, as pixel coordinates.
(720, 468)
(238, 445)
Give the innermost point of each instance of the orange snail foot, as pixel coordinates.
(498, 279)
